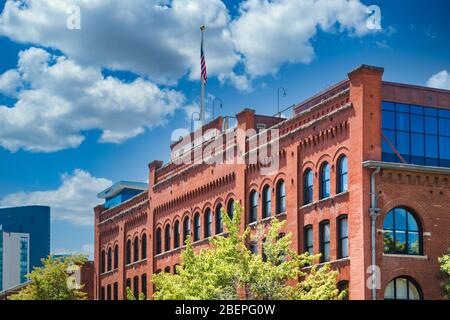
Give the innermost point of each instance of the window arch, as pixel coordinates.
(197, 227)
(403, 288)
(103, 261)
(342, 175)
(176, 234)
(219, 222)
(267, 202)
(186, 229)
(167, 269)
(308, 187)
(136, 249)
(325, 180)
(281, 197)
(230, 208)
(128, 252)
(158, 241)
(116, 256)
(402, 232)
(109, 259)
(208, 223)
(144, 247)
(167, 238)
(253, 214)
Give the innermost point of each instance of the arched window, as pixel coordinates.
(158, 241)
(208, 223)
(281, 197)
(253, 214)
(136, 249)
(167, 238)
(186, 229)
(267, 202)
(308, 187)
(144, 247)
(402, 233)
(109, 259)
(128, 253)
(219, 222)
(324, 237)
(343, 285)
(230, 208)
(342, 237)
(197, 227)
(403, 288)
(116, 256)
(103, 262)
(167, 269)
(176, 234)
(325, 180)
(342, 175)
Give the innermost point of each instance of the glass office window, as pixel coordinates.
(421, 135)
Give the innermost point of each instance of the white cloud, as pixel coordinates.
(61, 99)
(160, 39)
(10, 83)
(155, 38)
(271, 33)
(440, 80)
(73, 201)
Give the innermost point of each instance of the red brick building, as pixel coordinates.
(364, 162)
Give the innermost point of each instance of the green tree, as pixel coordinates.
(131, 297)
(444, 261)
(229, 270)
(52, 281)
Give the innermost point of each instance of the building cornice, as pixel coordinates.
(373, 164)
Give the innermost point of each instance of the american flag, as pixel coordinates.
(203, 63)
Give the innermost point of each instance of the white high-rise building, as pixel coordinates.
(14, 258)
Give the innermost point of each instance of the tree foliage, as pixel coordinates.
(52, 281)
(229, 270)
(131, 297)
(444, 261)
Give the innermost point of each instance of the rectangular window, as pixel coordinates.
(116, 291)
(343, 237)
(108, 292)
(325, 241)
(309, 240)
(419, 134)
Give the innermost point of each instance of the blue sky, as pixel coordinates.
(153, 67)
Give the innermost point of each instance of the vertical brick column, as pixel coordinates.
(365, 139)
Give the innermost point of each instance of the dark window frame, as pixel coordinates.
(128, 252)
(322, 242)
(281, 197)
(186, 228)
(136, 249)
(176, 234)
(266, 202)
(207, 220)
(341, 174)
(197, 227)
(308, 189)
(167, 238)
(219, 219)
(395, 230)
(325, 183)
(158, 242)
(341, 238)
(253, 204)
(307, 245)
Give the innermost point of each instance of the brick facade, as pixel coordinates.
(343, 120)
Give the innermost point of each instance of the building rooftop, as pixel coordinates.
(118, 187)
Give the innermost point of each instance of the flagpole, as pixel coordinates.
(202, 81)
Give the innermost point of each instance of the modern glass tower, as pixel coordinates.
(31, 220)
